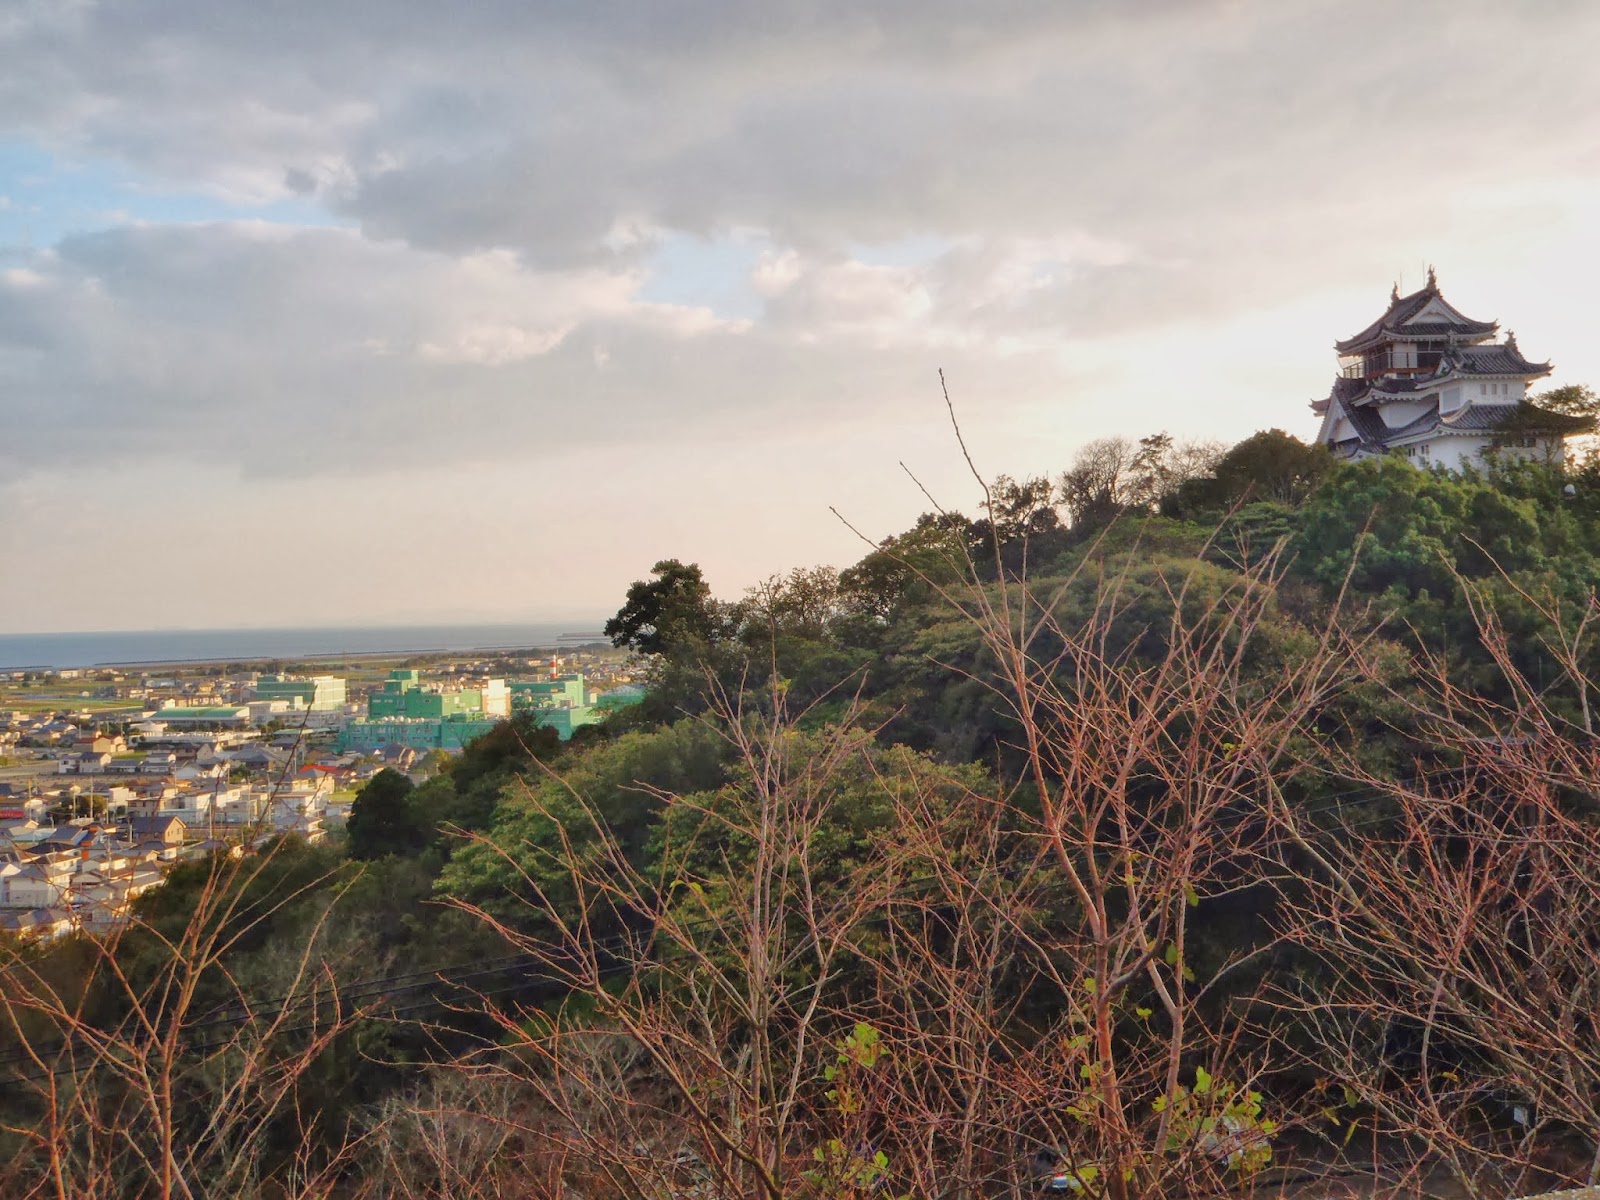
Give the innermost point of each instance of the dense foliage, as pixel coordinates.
(878, 776)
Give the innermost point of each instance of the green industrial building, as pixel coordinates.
(439, 733)
(404, 711)
(562, 703)
(425, 718)
(403, 696)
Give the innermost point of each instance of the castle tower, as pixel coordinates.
(1430, 383)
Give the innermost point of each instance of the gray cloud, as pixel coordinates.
(1082, 201)
(540, 127)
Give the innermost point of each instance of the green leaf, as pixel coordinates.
(1143, 1013)
(1202, 1081)
(1189, 894)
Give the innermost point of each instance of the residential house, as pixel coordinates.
(40, 884)
(94, 762)
(41, 923)
(159, 762)
(96, 742)
(168, 829)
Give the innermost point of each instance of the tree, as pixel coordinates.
(1161, 465)
(669, 613)
(706, 1035)
(1267, 466)
(1093, 488)
(619, 783)
(1549, 418)
(805, 603)
(932, 549)
(1573, 400)
(383, 819)
(1396, 527)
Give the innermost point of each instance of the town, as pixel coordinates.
(111, 775)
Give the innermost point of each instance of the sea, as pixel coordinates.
(176, 646)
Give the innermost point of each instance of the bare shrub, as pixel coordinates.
(1457, 922)
(138, 1065)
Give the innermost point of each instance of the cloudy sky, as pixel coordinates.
(376, 311)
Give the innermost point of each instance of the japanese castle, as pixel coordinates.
(1429, 383)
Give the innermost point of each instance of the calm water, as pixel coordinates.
(240, 645)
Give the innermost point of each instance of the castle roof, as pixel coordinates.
(1399, 322)
(1368, 425)
(1372, 434)
(1504, 359)
(1499, 359)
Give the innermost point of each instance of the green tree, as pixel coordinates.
(1573, 400)
(672, 611)
(1267, 466)
(384, 820)
(932, 549)
(804, 603)
(539, 821)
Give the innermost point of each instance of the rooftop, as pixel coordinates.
(1399, 320)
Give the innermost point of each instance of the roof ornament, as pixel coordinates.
(1452, 356)
(1433, 279)
(1511, 339)
(1394, 293)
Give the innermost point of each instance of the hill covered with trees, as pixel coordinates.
(1195, 818)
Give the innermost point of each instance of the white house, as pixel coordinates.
(1430, 383)
(95, 762)
(34, 885)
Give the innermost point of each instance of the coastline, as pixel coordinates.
(141, 650)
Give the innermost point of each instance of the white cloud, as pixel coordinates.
(494, 345)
